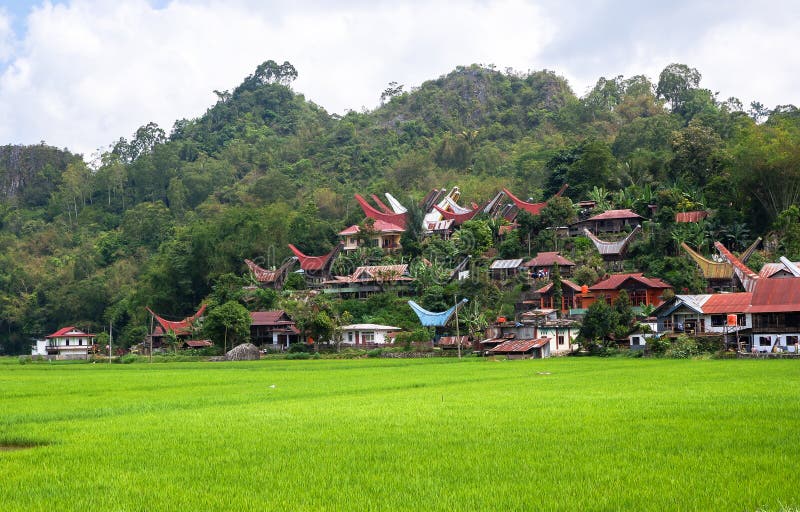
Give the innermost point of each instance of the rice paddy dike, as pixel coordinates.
(437, 434)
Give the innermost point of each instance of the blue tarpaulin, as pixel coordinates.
(431, 319)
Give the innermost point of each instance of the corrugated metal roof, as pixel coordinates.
(727, 303)
(770, 269)
(616, 214)
(776, 296)
(370, 327)
(695, 216)
(516, 346)
(505, 264)
(453, 340)
(548, 259)
(617, 280)
(564, 283)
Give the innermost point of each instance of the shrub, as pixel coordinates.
(376, 352)
(657, 346)
(297, 355)
(683, 348)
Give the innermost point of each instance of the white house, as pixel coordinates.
(367, 334)
(68, 343)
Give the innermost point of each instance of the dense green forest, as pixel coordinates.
(166, 219)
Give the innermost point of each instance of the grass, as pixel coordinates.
(441, 434)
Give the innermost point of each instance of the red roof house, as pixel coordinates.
(69, 343)
(641, 290)
(272, 328)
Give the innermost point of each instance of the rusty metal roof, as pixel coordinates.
(727, 303)
(776, 296)
(517, 346)
(695, 216)
(548, 259)
(616, 214)
(616, 281)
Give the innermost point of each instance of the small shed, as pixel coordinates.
(196, 344)
(537, 348)
(504, 269)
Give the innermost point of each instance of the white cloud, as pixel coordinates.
(86, 72)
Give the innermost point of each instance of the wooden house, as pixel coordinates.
(182, 329)
(611, 221)
(368, 280)
(705, 314)
(273, 329)
(571, 297)
(542, 265)
(641, 290)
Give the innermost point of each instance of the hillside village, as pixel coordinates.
(634, 216)
(741, 311)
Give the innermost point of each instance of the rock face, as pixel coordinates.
(243, 352)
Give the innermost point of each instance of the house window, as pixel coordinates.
(561, 340)
(741, 320)
(638, 297)
(718, 320)
(350, 336)
(792, 340)
(368, 337)
(764, 341)
(80, 342)
(67, 343)
(636, 340)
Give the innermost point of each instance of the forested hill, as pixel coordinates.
(166, 219)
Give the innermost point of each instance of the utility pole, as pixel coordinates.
(458, 337)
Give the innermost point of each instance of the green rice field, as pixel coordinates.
(440, 434)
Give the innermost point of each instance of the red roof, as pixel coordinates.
(519, 346)
(616, 214)
(616, 281)
(62, 333)
(459, 218)
(380, 226)
(272, 317)
(776, 296)
(564, 282)
(727, 303)
(548, 259)
(398, 219)
(695, 216)
(312, 262)
(181, 326)
(453, 341)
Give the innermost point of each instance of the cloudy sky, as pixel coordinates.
(82, 73)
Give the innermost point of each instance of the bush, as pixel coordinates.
(375, 352)
(657, 346)
(683, 348)
(296, 348)
(128, 359)
(297, 355)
